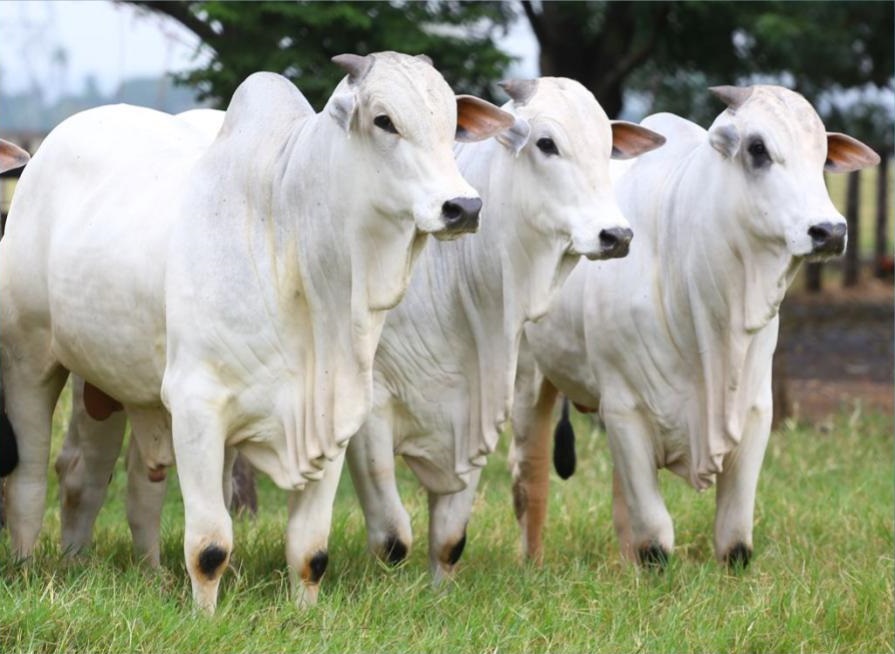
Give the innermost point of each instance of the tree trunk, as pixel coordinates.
(813, 276)
(852, 206)
(244, 496)
(882, 255)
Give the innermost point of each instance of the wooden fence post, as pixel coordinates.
(882, 256)
(852, 206)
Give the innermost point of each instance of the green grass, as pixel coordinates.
(821, 580)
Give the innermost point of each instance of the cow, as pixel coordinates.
(674, 345)
(229, 295)
(443, 374)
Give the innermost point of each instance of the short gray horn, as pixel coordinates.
(732, 96)
(355, 65)
(520, 90)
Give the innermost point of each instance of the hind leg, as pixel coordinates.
(85, 466)
(30, 395)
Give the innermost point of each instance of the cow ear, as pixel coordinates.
(341, 108)
(516, 136)
(478, 119)
(846, 154)
(11, 156)
(630, 140)
(725, 139)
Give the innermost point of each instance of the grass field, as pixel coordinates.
(821, 580)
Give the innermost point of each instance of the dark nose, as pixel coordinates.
(614, 242)
(461, 214)
(827, 238)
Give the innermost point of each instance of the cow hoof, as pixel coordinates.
(395, 551)
(738, 557)
(653, 557)
(210, 560)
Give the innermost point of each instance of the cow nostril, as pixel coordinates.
(462, 212)
(451, 211)
(615, 238)
(821, 233)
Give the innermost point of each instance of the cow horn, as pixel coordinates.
(520, 90)
(732, 96)
(355, 65)
(425, 58)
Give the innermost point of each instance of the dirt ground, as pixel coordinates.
(837, 350)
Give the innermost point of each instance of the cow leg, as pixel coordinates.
(621, 519)
(735, 496)
(198, 436)
(145, 498)
(448, 516)
(30, 397)
(530, 465)
(307, 535)
(85, 466)
(651, 530)
(371, 462)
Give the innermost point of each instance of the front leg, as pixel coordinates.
(642, 523)
(735, 496)
(199, 434)
(448, 517)
(307, 535)
(371, 461)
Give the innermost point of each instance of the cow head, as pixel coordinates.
(403, 119)
(562, 141)
(780, 149)
(11, 156)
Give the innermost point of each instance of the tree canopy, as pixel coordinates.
(297, 39)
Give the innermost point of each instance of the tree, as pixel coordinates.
(297, 39)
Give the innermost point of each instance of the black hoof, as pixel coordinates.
(738, 557)
(653, 557)
(210, 559)
(457, 550)
(317, 566)
(395, 550)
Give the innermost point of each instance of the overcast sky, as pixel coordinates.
(114, 42)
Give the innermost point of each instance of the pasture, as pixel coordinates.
(821, 579)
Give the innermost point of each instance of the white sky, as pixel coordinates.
(114, 42)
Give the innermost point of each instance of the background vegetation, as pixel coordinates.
(821, 579)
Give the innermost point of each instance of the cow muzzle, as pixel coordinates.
(460, 216)
(615, 242)
(827, 238)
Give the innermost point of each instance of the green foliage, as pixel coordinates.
(821, 579)
(297, 39)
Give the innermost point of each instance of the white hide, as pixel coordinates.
(443, 373)
(240, 286)
(679, 336)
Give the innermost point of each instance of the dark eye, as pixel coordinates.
(759, 153)
(547, 146)
(384, 122)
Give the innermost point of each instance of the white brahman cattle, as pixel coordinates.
(234, 293)
(673, 345)
(443, 374)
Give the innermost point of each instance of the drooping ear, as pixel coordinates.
(355, 65)
(732, 96)
(341, 108)
(516, 136)
(478, 119)
(11, 156)
(846, 154)
(630, 140)
(725, 139)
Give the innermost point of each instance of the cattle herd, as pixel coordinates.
(259, 281)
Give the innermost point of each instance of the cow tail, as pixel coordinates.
(564, 444)
(9, 451)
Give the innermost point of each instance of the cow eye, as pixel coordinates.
(547, 146)
(759, 153)
(384, 122)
